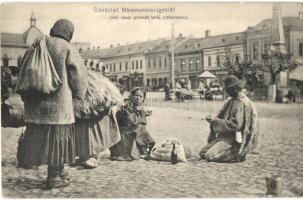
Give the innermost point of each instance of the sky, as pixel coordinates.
(99, 29)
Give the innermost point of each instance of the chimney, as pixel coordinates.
(180, 34)
(300, 16)
(111, 46)
(207, 33)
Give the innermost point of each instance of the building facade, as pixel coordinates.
(189, 62)
(217, 48)
(159, 62)
(260, 39)
(149, 63)
(14, 45)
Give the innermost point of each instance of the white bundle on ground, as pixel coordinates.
(100, 96)
(163, 151)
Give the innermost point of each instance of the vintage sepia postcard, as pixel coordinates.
(151, 99)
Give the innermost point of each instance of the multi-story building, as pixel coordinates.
(189, 61)
(125, 64)
(159, 62)
(260, 38)
(216, 48)
(150, 63)
(14, 45)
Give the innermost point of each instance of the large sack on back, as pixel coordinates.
(38, 73)
(100, 96)
(163, 151)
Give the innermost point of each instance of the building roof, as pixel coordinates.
(196, 44)
(222, 40)
(21, 40)
(135, 48)
(165, 45)
(288, 22)
(95, 54)
(123, 50)
(190, 45)
(12, 39)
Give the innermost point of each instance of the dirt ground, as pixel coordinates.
(280, 153)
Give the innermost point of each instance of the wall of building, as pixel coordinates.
(157, 69)
(221, 52)
(296, 37)
(257, 41)
(13, 53)
(189, 67)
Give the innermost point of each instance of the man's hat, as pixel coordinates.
(231, 81)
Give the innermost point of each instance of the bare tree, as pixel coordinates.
(240, 67)
(274, 63)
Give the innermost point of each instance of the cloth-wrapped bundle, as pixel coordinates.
(163, 151)
(101, 95)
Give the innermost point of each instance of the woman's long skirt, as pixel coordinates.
(53, 145)
(95, 136)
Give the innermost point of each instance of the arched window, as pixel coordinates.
(5, 60)
(300, 49)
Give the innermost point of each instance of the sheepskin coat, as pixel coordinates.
(57, 108)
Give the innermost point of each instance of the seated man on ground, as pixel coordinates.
(233, 133)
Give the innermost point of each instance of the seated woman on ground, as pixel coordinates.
(136, 142)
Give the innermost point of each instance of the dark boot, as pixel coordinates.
(55, 178)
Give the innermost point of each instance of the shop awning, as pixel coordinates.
(206, 74)
(297, 73)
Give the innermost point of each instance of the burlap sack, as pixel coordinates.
(38, 73)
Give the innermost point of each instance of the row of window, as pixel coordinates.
(192, 64)
(157, 62)
(236, 59)
(156, 82)
(121, 66)
(256, 49)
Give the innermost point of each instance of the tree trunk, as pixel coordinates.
(272, 93)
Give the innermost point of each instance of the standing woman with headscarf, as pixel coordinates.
(50, 118)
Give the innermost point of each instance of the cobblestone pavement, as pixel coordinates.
(280, 152)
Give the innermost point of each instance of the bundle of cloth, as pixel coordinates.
(162, 152)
